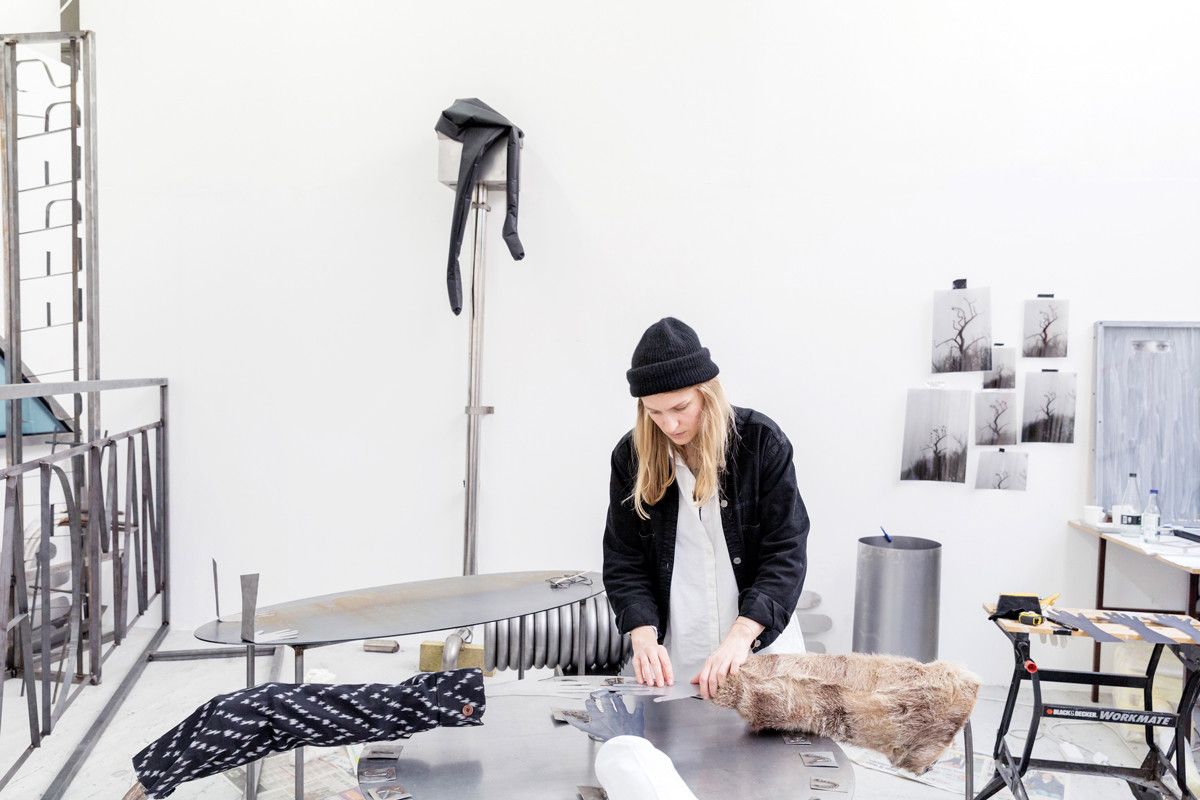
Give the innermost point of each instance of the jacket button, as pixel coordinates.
(758, 642)
(724, 503)
(468, 710)
(737, 560)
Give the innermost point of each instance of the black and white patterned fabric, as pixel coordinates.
(246, 725)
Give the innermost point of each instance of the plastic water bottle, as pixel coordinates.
(1131, 501)
(1150, 518)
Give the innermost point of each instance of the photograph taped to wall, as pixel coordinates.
(1045, 330)
(1148, 414)
(1049, 408)
(1002, 469)
(936, 432)
(1003, 374)
(962, 330)
(996, 417)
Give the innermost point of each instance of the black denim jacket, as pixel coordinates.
(765, 524)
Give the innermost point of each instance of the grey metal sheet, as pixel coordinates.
(406, 608)
(1148, 414)
(520, 752)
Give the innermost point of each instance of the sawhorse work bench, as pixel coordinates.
(1160, 768)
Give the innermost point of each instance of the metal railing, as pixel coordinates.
(94, 556)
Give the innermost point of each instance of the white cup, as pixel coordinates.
(1093, 515)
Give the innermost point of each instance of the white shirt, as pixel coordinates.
(704, 591)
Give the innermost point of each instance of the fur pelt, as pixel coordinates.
(907, 710)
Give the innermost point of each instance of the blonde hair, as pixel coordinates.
(655, 463)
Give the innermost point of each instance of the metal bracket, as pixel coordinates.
(480, 410)
(249, 604)
(379, 772)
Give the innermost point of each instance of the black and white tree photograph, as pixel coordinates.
(1049, 411)
(1045, 329)
(1001, 469)
(962, 330)
(1003, 374)
(996, 420)
(936, 434)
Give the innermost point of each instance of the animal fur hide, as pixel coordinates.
(907, 710)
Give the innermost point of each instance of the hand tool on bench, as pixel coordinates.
(1084, 624)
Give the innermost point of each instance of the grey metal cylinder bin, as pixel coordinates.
(897, 596)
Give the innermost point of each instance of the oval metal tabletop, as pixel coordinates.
(519, 751)
(406, 608)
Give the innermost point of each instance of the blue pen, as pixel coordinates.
(885, 535)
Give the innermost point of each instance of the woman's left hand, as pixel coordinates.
(728, 658)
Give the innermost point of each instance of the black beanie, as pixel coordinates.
(669, 357)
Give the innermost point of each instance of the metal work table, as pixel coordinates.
(400, 609)
(519, 751)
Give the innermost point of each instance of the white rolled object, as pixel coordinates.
(630, 768)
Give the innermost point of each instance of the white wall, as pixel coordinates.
(793, 180)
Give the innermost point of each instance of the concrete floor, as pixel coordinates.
(170, 690)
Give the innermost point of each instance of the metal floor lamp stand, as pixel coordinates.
(475, 409)
(493, 173)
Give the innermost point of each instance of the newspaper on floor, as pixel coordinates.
(948, 774)
(327, 775)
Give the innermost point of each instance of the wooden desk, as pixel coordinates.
(1186, 559)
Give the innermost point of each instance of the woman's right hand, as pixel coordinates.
(651, 664)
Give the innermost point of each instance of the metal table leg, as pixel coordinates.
(299, 750)
(1100, 559)
(579, 644)
(1005, 771)
(252, 767)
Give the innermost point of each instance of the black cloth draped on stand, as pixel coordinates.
(478, 126)
(246, 725)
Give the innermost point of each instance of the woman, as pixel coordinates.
(706, 539)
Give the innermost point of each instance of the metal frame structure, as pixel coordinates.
(119, 517)
(103, 500)
(1146, 780)
(78, 190)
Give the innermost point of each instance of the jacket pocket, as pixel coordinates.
(747, 513)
